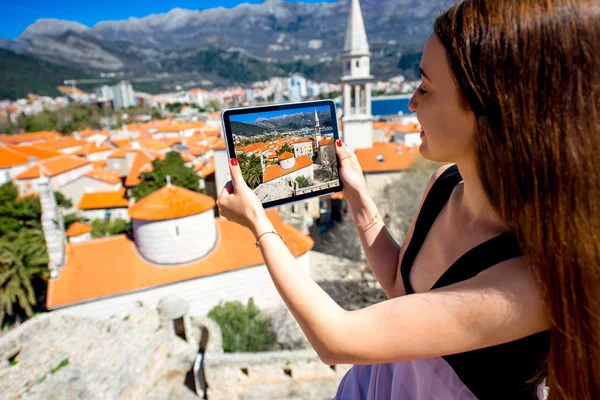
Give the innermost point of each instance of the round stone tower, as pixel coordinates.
(287, 161)
(174, 225)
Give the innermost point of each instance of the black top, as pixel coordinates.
(497, 372)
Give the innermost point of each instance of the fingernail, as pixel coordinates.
(234, 162)
(338, 143)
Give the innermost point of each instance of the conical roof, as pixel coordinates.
(171, 202)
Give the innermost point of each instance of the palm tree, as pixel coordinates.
(23, 263)
(253, 172)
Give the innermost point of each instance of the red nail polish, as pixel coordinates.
(234, 162)
(338, 143)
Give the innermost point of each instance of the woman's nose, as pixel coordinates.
(412, 104)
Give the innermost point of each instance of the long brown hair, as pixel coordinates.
(530, 72)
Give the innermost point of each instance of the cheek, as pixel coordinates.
(449, 131)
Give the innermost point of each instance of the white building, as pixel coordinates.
(179, 248)
(123, 95)
(297, 89)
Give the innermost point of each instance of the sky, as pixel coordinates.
(19, 14)
(251, 118)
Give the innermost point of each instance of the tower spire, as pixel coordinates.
(356, 43)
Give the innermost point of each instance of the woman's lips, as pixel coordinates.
(422, 134)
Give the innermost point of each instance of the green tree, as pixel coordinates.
(244, 328)
(213, 105)
(172, 166)
(251, 169)
(23, 273)
(302, 182)
(285, 148)
(107, 227)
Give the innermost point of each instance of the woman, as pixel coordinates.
(510, 96)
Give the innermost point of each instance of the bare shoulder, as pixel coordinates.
(432, 180)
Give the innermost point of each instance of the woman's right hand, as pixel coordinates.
(350, 172)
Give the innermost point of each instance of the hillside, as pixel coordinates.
(22, 74)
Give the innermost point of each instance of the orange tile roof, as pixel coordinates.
(53, 166)
(206, 169)
(89, 132)
(275, 171)
(78, 228)
(29, 137)
(142, 158)
(121, 142)
(112, 266)
(121, 153)
(100, 200)
(303, 141)
(337, 196)
(219, 145)
(392, 160)
(325, 142)
(12, 158)
(91, 148)
(272, 156)
(36, 151)
(170, 202)
(285, 156)
(105, 175)
(63, 143)
(99, 164)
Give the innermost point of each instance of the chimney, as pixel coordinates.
(52, 226)
(262, 163)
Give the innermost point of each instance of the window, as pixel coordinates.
(358, 64)
(176, 231)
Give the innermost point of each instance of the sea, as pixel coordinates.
(389, 105)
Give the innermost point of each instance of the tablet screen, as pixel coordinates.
(286, 152)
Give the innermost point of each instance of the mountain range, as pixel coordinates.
(281, 124)
(187, 47)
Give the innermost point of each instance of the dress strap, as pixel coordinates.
(434, 203)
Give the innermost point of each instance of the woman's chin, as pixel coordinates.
(427, 154)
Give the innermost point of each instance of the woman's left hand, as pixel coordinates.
(237, 202)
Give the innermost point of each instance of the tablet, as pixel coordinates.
(286, 151)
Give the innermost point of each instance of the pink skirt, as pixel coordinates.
(427, 379)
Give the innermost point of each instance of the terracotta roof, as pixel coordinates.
(99, 164)
(170, 202)
(337, 196)
(272, 156)
(112, 266)
(89, 132)
(142, 158)
(325, 142)
(219, 145)
(29, 137)
(285, 156)
(303, 141)
(121, 153)
(206, 169)
(91, 148)
(121, 142)
(78, 228)
(12, 158)
(105, 175)
(385, 157)
(63, 143)
(53, 166)
(100, 200)
(275, 171)
(36, 151)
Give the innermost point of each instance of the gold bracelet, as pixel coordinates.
(258, 245)
(376, 218)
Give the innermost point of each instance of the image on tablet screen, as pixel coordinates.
(286, 153)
